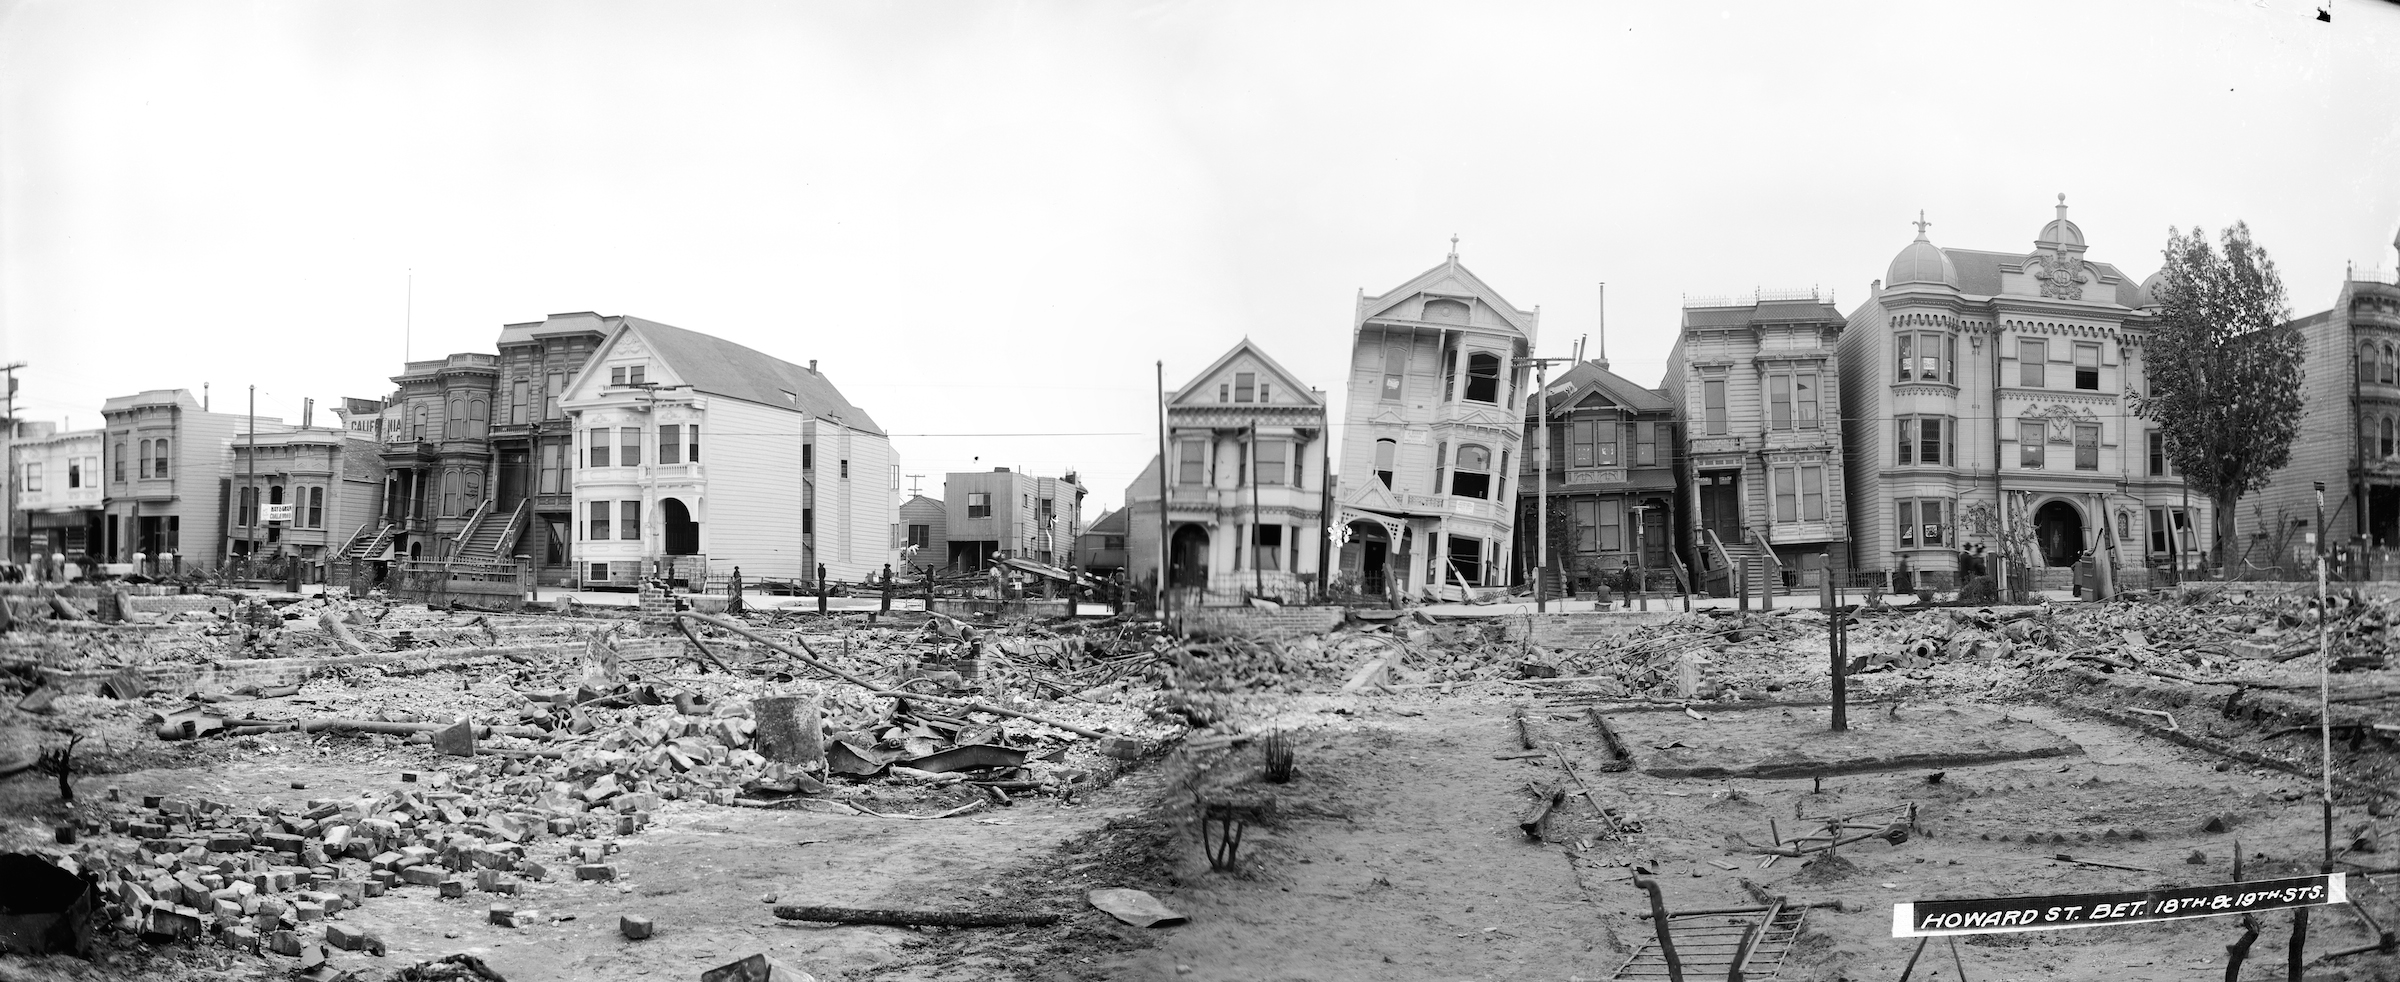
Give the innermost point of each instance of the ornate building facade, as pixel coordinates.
(1989, 410)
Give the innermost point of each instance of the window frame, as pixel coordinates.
(2032, 372)
(979, 509)
(596, 525)
(2090, 349)
(670, 443)
(596, 446)
(2087, 455)
(1713, 406)
(1281, 474)
(1387, 458)
(2033, 454)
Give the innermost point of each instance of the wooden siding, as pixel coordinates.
(751, 457)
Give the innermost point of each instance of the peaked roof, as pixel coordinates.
(1292, 382)
(716, 366)
(1588, 376)
(1115, 521)
(1451, 278)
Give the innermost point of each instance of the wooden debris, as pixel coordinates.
(911, 918)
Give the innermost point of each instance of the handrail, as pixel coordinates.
(518, 522)
(350, 545)
(473, 521)
(1724, 558)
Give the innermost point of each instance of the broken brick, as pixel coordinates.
(634, 928)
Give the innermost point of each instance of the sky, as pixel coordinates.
(990, 222)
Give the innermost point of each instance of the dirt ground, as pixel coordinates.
(1395, 852)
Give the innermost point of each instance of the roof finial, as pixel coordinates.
(1453, 247)
(2062, 206)
(1920, 223)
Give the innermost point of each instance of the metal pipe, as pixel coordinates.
(1658, 918)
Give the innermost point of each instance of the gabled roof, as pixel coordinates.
(1115, 521)
(1450, 278)
(716, 366)
(1744, 315)
(1290, 383)
(1586, 377)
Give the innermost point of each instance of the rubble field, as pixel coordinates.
(282, 787)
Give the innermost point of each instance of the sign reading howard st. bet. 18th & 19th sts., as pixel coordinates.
(2000, 915)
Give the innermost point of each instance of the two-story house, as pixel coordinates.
(1245, 485)
(1005, 512)
(1609, 456)
(1431, 435)
(1754, 379)
(59, 494)
(327, 480)
(697, 455)
(437, 454)
(165, 477)
(1989, 400)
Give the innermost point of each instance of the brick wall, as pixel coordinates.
(1251, 622)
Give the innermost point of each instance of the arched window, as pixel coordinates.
(316, 508)
(1385, 452)
(2385, 435)
(2366, 362)
(2388, 370)
(120, 462)
(479, 418)
(145, 458)
(1472, 478)
(275, 495)
(454, 422)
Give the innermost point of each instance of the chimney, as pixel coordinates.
(308, 412)
(812, 366)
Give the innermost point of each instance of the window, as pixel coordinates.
(1645, 444)
(1245, 387)
(920, 536)
(1262, 392)
(452, 484)
(1926, 356)
(1779, 402)
(2033, 354)
(1395, 372)
(1799, 493)
(1191, 463)
(599, 572)
(1604, 443)
(1612, 525)
(979, 504)
(1792, 401)
(1921, 523)
(1385, 451)
(158, 458)
(1483, 378)
(2160, 466)
(1587, 525)
(1473, 478)
(633, 375)
(670, 443)
(599, 525)
(629, 519)
(516, 402)
(551, 452)
(2087, 366)
(75, 473)
(2366, 368)
(626, 375)
(145, 459)
(1449, 374)
(2170, 529)
(629, 444)
(845, 468)
(2384, 429)
(1272, 456)
(1268, 540)
(691, 451)
(1112, 542)
(616, 375)
(1925, 440)
(598, 447)
(479, 417)
(33, 477)
(2029, 444)
(417, 431)
(556, 386)
(808, 456)
(2087, 446)
(245, 511)
(1712, 399)
(1224, 392)
(1441, 466)
(808, 521)
(316, 508)
(119, 476)
(1804, 393)
(2389, 367)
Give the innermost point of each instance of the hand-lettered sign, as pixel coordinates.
(2000, 915)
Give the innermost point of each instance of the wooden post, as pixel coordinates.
(820, 588)
(1741, 587)
(1835, 638)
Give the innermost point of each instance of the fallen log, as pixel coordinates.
(1620, 758)
(65, 611)
(911, 918)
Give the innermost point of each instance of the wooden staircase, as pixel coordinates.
(490, 537)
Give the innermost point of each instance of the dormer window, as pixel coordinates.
(631, 375)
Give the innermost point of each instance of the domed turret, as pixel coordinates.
(2061, 234)
(1922, 263)
(2147, 293)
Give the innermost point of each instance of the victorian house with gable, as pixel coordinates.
(1245, 486)
(1755, 378)
(1990, 409)
(1432, 435)
(1611, 467)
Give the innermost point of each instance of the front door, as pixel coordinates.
(1721, 504)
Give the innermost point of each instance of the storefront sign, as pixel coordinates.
(2002, 915)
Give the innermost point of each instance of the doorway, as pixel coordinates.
(2058, 529)
(1367, 556)
(1187, 561)
(2383, 515)
(683, 534)
(1721, 504)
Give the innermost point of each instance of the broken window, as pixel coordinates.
(920, 536)
(1395, 372)
(1245, 386)
(1473, 477)
(1268, 540)
(845, 462)
(75, 473)
(1466, 559)
(979, 504)
(1385, 451)
(1483, 378)
(1272, 455)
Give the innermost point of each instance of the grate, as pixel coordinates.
(1707, 944)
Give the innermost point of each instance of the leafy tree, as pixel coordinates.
(2224, 369)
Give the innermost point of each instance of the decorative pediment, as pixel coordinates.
(1372, 495)
(1595, 401)
(1223, 376)
(2061, 419)
(2063, 274)
(1449, 294)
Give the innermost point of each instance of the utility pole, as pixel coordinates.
(250, 521)
(1541, 481)
(8, 453)
(1324, 500)
(1258, 577)
(1161, 586)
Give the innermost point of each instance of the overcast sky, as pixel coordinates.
(993, 218)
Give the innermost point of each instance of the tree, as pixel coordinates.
(2224, 370)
